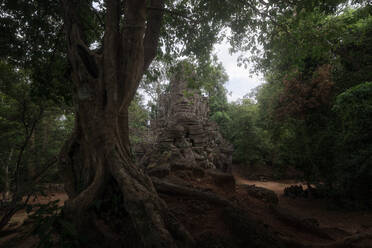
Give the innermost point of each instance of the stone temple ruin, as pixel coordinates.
(185, 136)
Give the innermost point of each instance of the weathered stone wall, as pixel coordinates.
(185, 137)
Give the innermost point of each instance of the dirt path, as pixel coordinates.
(21, 216)
(352, 222)
(276, 186)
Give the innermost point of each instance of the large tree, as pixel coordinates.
(98, 151)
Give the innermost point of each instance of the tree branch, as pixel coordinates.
(112, 22)
(152, 34)
(101, 23)
(110, 49)
(264, 15)
(132, 52)
(23, 148)
(171, 12)
(37, 178)
(18, 196)
(78, 52)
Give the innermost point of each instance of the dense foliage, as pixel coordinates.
(243, 130)
(33, 130)
(313, 112)
(352, 165)
(36, 95)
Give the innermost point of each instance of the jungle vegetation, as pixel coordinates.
(70, 70)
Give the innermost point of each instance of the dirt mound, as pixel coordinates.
(261, 193)
(246, 221)
(220, 216)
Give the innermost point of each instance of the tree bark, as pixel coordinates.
(96, 159)
(7, 181)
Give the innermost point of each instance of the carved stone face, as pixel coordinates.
(184, 128)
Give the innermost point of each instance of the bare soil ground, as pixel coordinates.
(205, 220)
(350, 221)
(21, 216)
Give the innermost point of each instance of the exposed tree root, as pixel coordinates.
(252, 231)
(146, 210)
(173, 189)
(154, 224)
(298, 223)
(75, 206)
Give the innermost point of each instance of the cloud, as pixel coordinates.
(240, 81)
(240, 87)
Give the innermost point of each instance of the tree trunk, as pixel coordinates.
(46, 134)
(31, 167)
(96, 160)
(7, 181)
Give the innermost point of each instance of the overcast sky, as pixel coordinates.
(240, 81)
